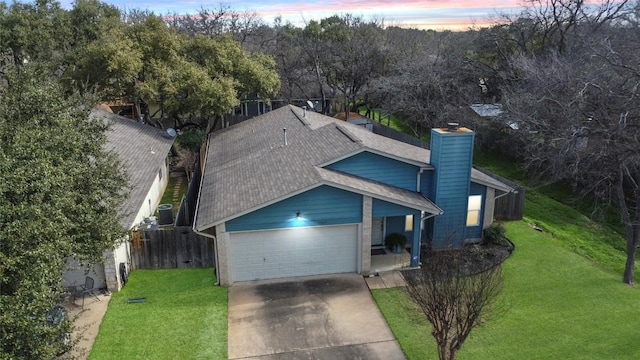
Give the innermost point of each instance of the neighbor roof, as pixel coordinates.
(248, 165)
(143, 150)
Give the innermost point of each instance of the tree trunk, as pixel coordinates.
(632, 227)
(446, 352)
(628, 277)
(633, 238)
(321, 88)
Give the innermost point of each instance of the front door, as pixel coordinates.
(377, 231)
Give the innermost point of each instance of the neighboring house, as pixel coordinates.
(318, 197)
(144, 152)
(356, 119)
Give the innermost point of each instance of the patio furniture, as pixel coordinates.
(86, 289)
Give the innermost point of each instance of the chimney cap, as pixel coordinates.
(453, 126)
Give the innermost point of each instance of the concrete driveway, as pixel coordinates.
(320, 317)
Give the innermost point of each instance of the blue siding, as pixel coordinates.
(426, 184)
(395, 215)
(475, 232)
(452, 156)
(379, 168)
(383, 208)
(395, 224)
(323, 205)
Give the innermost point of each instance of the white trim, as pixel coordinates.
(292, 227)
(359, 249)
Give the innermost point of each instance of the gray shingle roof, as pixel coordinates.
(378, 190)
(143, 150)
(248, 165)
(486, 180)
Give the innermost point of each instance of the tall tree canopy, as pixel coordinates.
(181, 76)
(165, 72)
(60, 194)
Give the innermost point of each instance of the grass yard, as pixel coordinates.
(395, 123)
(184, 317)
(555, 305)
(565, 216)
(168, 195)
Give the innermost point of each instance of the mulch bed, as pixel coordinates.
(472, 259)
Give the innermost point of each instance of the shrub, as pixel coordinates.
(495, 234)
(392, 241)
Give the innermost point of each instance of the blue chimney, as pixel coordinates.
(451, 156)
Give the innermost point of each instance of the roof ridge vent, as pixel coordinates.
(348, 134)
(302, 119)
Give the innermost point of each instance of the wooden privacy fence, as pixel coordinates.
(509, 206)
(179, 247)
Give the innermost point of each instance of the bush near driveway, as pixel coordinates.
(555, 305)
(184, 316)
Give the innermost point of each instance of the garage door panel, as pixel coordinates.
(293, 252)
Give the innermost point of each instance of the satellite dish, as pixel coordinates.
(310, 105)
(172, 133)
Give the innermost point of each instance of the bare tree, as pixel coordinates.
(579, 117)
(454, 297)
(430, 84)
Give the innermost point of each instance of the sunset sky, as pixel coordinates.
(429, 14)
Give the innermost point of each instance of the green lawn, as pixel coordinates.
(184, 317)
(566, 216)
(167, 196)
(555, 305)
(395, 123)
(563, 297)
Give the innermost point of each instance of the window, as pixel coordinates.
(473, 210)
(408, 223)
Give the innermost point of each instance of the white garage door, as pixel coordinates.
(293, 252)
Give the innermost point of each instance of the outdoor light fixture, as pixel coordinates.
(298, 215)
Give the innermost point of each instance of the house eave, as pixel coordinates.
(388, 199)
(420, 164)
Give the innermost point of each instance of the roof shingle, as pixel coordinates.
(248, 165)
(142, 150)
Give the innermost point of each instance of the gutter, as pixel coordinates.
(505, 194)
(195, 215)
(430, 216)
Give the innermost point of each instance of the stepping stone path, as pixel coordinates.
(176, 191)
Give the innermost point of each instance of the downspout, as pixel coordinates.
(429, 217)
(195, 216)
(505, 194)
(215, 251)
(422, 219)
(419, 178)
